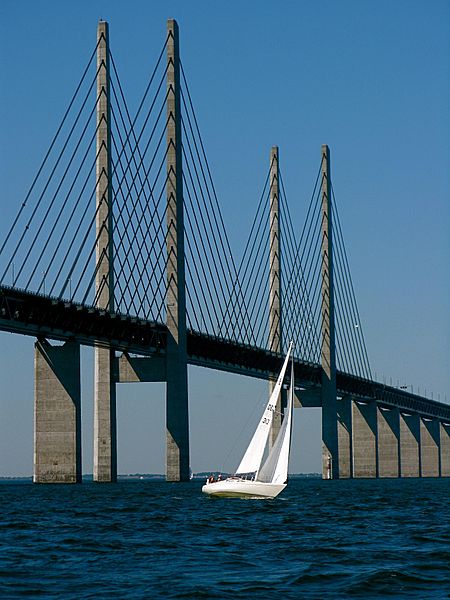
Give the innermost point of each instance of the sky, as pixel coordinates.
(370, 79)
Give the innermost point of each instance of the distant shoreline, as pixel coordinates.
(151, 477)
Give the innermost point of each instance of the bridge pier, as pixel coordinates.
(344, 424)
(409, 445)
(364, 422)
(444, 443)
(388, 442)
(429, 448)
(57, 413)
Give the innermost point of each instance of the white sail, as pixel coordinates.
(252, 458)
(275, 468)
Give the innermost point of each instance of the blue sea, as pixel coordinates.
(152, 539)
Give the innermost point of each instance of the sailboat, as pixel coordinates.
(266, 481)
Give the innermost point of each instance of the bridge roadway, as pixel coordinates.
(46, 317)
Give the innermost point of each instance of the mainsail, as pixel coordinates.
(275, 468)
(252, 458)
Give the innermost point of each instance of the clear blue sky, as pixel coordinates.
(370, 79)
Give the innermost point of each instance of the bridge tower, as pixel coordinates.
(275, 305)
(105, 435)
(177, 417)
(330, 458)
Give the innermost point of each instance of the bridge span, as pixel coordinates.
(152, 285)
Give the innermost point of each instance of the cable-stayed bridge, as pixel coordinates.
(120, 244)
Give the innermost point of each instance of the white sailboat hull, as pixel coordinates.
(242, 488)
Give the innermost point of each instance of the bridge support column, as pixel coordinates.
(409, 445)
(388, 428)
(330, 453)
(57, 413)
(364, 419)
(275, 322)
(429, 448)
(444, 431)
(105, 437)
(177, 416)
(344, 415)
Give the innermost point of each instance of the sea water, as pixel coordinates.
(318, 539)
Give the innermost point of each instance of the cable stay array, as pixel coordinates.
(51, 248)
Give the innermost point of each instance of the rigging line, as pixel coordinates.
(131, 130)
(137, 148)
(27, 226)
(122, 235)
(260, 237)
(254, 276)
(231, 271)
(209, 171)
(208, 196)
(216, 247)
(342, 331)
(157, 174)
(24, 203)
(61, 210)
(312, 251)
(311, 203)
(222, 299)
(209, 320)
(261, 295)
(189, 198)
(159, 317)
(342, 362)
(55, 194)
(127, 224)
(355, 305)
(137, 231)
(317, 307)
(296, 296)
(285, 205)
(87, 206)
(239, 271)
(147, 172)
(149, 83)
(301, 260)
(190, 324)
(343, 298)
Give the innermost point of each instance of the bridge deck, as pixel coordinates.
(42, 316)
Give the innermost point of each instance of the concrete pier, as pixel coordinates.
(429, 448)
(409, 445)
(444, 444)
(344, 416)
(57, 413)
(330, 452)
(388, 440)
(177, 415)
(105, 435)
(275, 307)
(364, 421)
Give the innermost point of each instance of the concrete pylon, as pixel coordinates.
(429, 448)
(330, 453)
(57, 413)
(388, 442)
(105, 436)
(345, 437)
(409, 445)
(444, 444)
(364, 421)
(177, 414)
(275, 306)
